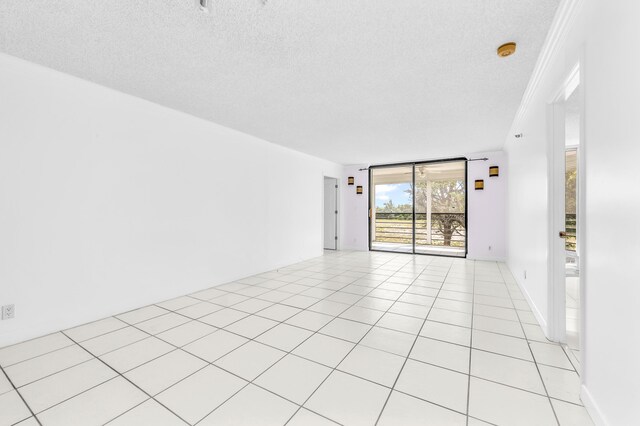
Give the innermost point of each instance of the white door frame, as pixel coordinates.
(556, 196)
(337, 209)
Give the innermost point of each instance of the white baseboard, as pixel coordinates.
(486, 259)
(536, 312)
(592, 408)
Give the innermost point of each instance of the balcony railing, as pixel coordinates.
(398, 228)
(447, 229)
(570, 228)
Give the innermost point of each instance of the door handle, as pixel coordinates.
(562, 234)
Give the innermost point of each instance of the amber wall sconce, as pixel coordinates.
(350, 180)
(358, 190)
(494, 171)
(479, 185)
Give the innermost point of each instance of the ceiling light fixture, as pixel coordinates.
(204, 5)
(507, 49)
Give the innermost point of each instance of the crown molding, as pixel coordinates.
(562, 22)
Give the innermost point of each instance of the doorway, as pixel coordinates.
(330, 213)
(419, 208)
(567, 167)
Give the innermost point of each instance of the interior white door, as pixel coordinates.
(330, 213)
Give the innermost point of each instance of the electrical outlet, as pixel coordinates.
(8, 312)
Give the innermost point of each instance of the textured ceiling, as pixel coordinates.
(354, 81)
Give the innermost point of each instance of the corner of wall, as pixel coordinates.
(591, 407)
(534, 308)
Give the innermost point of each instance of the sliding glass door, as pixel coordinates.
(419, 208)
(440, 197)
(392, 208)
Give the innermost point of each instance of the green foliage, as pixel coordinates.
(389, 207)
(570, 191)
(447, 196)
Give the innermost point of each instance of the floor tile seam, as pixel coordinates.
(334, 368)
(575, 368)
(473, 305)
(216, 329)
(484, 421)
(118, 374)
(144, 320)
(188, 295)
(97, 335)
(384, 406)
(300, 406)
(36, 356)
(553, 410)
(57, 372)
(129, 410)
(254, 339)
(248, 339)
(175, 348)
(148, 335)
(555, 398)
(444, 368)
(476, 314)
(24, 401)
(74, 395)
(290, 352)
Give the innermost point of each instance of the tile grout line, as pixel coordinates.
(287, 353)
(168, 311)
(21, 397)
(125, 378)
(212, 363)
(300, 406)
(351, 350)
(473, 299)
(150, 335)
(333, 291)
(544, 386)
(384, 406)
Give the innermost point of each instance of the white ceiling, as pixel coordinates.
(354, 81)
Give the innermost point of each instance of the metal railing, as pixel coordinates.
(447, 229)
(570, 227)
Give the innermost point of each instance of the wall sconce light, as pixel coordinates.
(350, 180)
(479, 185)
(358, 190)
(494, 171)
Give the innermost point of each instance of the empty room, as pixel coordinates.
(339, 212)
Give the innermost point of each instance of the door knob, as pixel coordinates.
(562, 234)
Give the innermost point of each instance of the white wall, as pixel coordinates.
(486, 209)
(606, 35)
(109, 202)
(355, 217)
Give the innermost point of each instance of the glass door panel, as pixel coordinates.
(391, 223)
(571, 198)
(440, 208)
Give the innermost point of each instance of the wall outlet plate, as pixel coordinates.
(8, 312)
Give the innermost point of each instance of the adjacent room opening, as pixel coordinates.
(419, 208)
(572, 220)
(567, 214)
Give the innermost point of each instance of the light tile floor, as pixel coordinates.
(351, 338)
(573, 318)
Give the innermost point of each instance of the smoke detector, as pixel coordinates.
(203, 5)
(507, 49)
